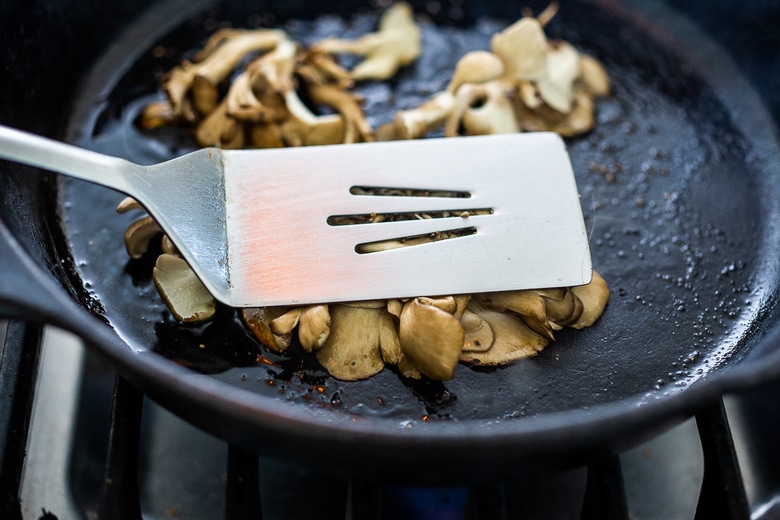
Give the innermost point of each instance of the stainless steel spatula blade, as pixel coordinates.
(439, 216)
(355, 222)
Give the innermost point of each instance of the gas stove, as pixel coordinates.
(96, 448)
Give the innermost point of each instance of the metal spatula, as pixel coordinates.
(354, 222)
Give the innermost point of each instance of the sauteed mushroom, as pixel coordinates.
(431, 338)
(191, 88)
(181, 289)
(359, 333)
(313, 324)
(495, 338)
(524, 82)
(397, 43)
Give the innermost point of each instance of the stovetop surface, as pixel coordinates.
(182, 470)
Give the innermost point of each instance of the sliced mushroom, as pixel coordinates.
(389, 343)
(595, 297)
(283, 325)
(183, 293)
(251, 98)
(481, 109)
(563, 68)
(313, 322)
(259, 319)
(476, 67)
(220, 129)
(397, 43)
(314, 327)
(547, 119)
(316, 67)
(461, 304)
(139, 234)
(522, 48)
(128, 204)
(168, 246)
(478, 335)
(594, 75)
(304, 128)
(528, 304)
(473, 67)
(394, 307)
(216, 62)
(277, 67)
(431, 338)
(416, 122)
(266, 135)
(157, 114)
(348, 105)
(512, 339)
(561, 306)
(352, 348)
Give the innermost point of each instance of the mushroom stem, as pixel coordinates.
(397, 43)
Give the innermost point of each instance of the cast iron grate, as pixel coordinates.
(603, 496)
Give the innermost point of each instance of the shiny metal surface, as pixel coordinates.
(253, 225)
(45, 475)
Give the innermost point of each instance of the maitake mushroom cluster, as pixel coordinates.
(524, 83)
(246, 88)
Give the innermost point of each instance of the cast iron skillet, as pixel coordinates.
(680, 189)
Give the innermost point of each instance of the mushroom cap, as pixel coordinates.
(314, 327)
(522, 48)
(594, 75)
(512, 339)
(478, 334)
(476, 67)
(528, 304)
(283, 325)
(139, 235)
(220, 129)
(431, 338)
(182, 291)
(595, 297)
(128, 204)
(563, 68)
(352, 348)
(481, 109)
(259, 319)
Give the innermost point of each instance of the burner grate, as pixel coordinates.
(19, 351)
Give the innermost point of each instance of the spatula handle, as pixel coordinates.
(42, 152)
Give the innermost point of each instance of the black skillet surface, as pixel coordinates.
(679, 184)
